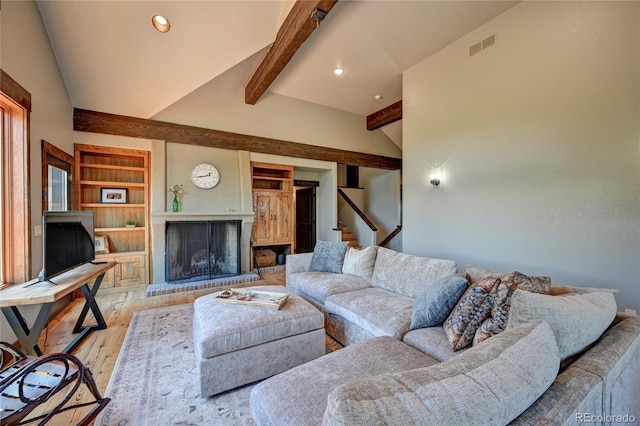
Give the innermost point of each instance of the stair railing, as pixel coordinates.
(361, 214)
(390, 237)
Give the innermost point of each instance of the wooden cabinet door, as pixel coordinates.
(131, 270)
(282, 219)
(263, 219)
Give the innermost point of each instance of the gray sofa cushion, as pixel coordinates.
(573, 391)
(406, 274)
(604, 380)
(320, 285)
(432, 341)
(484, 385)
(577, 319)
(434, 304)
(328, 257)
(377, 311)
(299, 396)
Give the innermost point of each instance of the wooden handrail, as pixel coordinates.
(355, 208)
(395, 232)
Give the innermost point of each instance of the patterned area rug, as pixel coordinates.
(154, 381)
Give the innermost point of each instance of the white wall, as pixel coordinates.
(27, 57)
(226, 196)
(538, 141)
(356, 226)
(379, 198)
(220, 105)
(382, 202)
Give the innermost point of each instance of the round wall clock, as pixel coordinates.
(205, 176)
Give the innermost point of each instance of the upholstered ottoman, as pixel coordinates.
(239, 344)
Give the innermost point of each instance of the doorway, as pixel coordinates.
(305, 218)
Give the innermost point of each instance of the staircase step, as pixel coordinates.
(347, 236)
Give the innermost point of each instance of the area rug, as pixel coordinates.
(154, 381)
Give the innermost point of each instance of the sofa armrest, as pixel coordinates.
(298, 263)
(490, 375)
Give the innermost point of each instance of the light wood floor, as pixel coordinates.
(99, 351)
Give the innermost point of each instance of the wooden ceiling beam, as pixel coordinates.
(121, 125)
(385, 116)
(296, 28)
(15, 91)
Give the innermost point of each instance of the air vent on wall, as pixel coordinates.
(481, 45)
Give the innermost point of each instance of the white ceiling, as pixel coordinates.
(112, 60)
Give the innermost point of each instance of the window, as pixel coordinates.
(57, 168)
(15, 105)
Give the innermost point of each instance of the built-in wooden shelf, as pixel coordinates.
(89, 206)
(99, 167)
(121, 229)
(102, 183)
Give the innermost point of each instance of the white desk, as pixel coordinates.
(46, 293)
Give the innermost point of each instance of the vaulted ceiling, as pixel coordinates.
(113, 60)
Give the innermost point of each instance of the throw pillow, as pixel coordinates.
(501, 297)
(433, 306)
(577, 319)
(328, 257)
(473, 307)
(360, 262)
(478, 273)
(497, 321)
(540, 285)
(564, 289)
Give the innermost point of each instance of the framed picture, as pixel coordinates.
(102, 244)
(113, 195)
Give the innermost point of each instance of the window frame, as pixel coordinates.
(15, 212)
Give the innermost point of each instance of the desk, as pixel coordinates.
(46, 293)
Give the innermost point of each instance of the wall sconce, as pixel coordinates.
(434, 180)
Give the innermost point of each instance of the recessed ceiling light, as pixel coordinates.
(378, 97)
(338, 71)
(160, 23)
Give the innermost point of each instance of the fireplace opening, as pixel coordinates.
(201, 250)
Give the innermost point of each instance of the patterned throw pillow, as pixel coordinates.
(501, 299)
(478, 273)
(473, 307)
(328, 257)
(360, 262)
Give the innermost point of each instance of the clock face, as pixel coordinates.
(205, 176)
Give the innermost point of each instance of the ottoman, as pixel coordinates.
(239, 344)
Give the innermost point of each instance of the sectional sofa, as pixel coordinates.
(564, 355)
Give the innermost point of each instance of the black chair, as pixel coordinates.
(26, 382)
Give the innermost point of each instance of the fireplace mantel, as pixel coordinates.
(158, 217)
